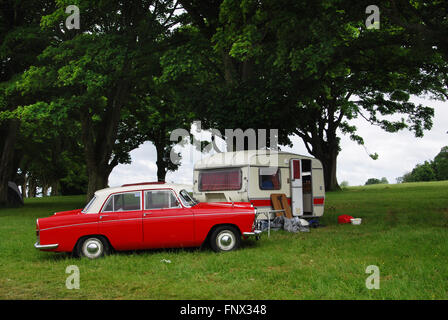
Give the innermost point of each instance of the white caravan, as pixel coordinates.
(253, 175)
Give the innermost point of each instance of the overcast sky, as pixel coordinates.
(398, 153)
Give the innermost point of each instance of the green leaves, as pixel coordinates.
(245, 46)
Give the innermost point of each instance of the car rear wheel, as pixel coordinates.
(225, 238)
(92, 247)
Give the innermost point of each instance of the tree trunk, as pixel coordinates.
(162, 165)
(32, 188)
(98, 179)
(6, 159)
(24, 184)
(55, 186)
(98, 147)
(161, 171)
(329, 163)
(327, 153)
(99, 143)
(321, 139)
(45, 190)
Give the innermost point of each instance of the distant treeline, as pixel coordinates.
(383, 180)
(433, 170)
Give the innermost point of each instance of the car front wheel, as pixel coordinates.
(225, 238)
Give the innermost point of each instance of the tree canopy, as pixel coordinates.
(309, 68)
(100, 76)
(75, 101)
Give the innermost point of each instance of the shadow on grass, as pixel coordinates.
(246, 244)
(60, 256)
(55, 256)
(155, 251)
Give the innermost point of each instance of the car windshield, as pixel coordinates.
(187, 198)
(88, 205)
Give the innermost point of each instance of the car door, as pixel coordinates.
(120, 220)
(166, 223)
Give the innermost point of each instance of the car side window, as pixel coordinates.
(109, 207)
(127, 201)
(160, 199)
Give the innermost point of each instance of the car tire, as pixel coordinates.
(92, 247)
(225, 238)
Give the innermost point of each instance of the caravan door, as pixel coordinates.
(296, 187)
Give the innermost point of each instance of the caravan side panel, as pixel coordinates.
(318, 188)
(262, 197)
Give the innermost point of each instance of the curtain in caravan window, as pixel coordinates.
(269, 178)
(226, 179)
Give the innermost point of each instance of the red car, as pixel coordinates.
(145, 216)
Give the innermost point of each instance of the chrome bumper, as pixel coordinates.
(45, 246)
(255, 233)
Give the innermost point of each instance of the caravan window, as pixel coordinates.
(269, 178)
(223, 179)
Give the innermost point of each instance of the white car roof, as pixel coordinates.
(140, 186)
(102, 194)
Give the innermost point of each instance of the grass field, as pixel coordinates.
(404, 232)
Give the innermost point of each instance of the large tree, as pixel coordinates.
(224, 91)
(93, 74)
(311, 67)
(21, 41)
(50, 152)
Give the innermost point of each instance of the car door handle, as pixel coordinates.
(103, 216)
(146, 213)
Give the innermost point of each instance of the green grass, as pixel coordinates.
(404, 232)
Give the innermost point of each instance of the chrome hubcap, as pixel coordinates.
(226, 240)
(92, 248)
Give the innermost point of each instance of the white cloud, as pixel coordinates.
(398, 152)
(142, 168)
